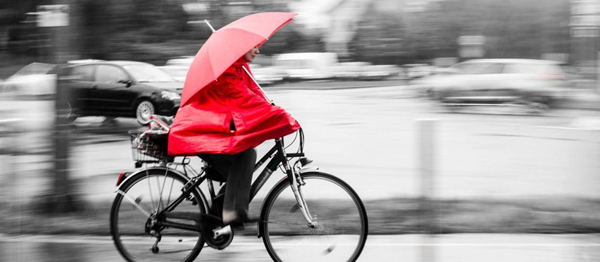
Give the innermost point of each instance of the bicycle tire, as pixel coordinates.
(342, 223)
(128, 224)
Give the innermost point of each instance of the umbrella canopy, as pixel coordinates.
(227, 45)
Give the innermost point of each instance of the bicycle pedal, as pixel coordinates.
(222, 231)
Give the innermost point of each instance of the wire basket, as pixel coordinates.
(148, 147)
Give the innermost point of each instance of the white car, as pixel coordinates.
(498, 81)
(36, 80)
(185, 61)
(264, 75)
(179, 72)
(379, 72)
(350, 70)
(267, 75)
(307, 66)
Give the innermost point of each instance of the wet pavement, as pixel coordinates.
(408, 248)
(370, 138)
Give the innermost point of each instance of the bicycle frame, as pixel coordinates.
(277, 156)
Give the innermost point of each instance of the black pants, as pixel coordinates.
(237, 171)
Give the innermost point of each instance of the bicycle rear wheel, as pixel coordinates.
(341, 221)
(141, 236)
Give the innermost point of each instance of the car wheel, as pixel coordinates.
(68, 112)
(143, 111)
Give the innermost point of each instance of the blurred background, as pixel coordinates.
(470, 128)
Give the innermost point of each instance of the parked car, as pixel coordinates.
(537, 83)
(121, 89)
(34, 81)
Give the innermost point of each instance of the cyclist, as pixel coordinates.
(226, 120)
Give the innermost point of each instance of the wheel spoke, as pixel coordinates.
(141, 235)
(134, 203)
(340, 222)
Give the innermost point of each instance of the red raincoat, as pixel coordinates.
(203, 125)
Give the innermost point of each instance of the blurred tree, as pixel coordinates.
(380, 38)
(18, 30)
(523, 28)
(16, 10)
(155, 30)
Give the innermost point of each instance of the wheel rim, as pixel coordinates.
(129, 225)
(341, 228)
(69, 111)
(143, 112)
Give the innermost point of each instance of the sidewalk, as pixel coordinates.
(483, 247)
(406, 248)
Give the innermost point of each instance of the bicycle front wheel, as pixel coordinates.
(341, 225)
(139, 234)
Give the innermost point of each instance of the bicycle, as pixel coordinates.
(308, 215)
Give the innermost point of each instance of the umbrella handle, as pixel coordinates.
(259, 87)
(209, 25)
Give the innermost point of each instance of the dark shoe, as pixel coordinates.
(207, 223)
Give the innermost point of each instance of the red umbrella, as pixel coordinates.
(227, 45)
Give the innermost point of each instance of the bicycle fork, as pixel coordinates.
(295, 183)
(301, 203)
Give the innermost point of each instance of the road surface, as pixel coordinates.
(370, 138)
(406, 248)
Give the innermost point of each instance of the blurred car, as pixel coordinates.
(34, 81)
(349, 70)
(414, 71)
(178, 67)
(307, 66)
(364, 71)
(178, 72)
(264, 75)
(184, 61)
(379, 72)
(498, 81)
(267, 75)
(121, 89)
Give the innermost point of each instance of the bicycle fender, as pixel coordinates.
(129, 176)
(309, 169)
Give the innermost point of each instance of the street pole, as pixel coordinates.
(426, 135)
(55, 18)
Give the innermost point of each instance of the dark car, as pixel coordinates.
(121, 89)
